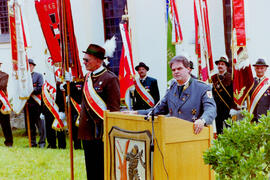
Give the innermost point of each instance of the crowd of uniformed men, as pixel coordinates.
(186, 98)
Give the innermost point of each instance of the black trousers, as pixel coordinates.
(6, 128)
(35, 121)
(52, 134)
(94, 159)
(77, 142)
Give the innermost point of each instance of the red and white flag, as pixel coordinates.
(203, 47)
(48, 13)
(126, 68)
(130, 72)
(242, 73)
(177, 36)
(20, 80)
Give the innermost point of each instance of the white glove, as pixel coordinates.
(233, 112)
(68, 76)
(62, 86)
(42, 117)
(62, 116)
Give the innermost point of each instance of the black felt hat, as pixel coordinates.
(96, 51)
(260, 62)
(141, 64)
(222, 59)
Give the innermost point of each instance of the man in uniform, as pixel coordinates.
(149, 83)
(34, 108)
(260, 93)
(222, 92)
(187, 98)
(4, 116)
(101, 91)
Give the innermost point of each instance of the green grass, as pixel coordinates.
(22, 162)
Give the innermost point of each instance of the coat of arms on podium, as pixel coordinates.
(130, 154)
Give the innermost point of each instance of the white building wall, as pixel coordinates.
(257, 28)
(148, 36)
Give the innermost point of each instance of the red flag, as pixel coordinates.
(74, 60)
(49, 18)
(242, 73)
(126, 68)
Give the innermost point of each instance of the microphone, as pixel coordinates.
(152, 111)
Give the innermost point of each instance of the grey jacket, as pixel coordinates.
(196, 101)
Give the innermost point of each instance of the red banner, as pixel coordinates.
(13, 36)
(239, 22)
(74, 60)
(49, 20)
(242, 72)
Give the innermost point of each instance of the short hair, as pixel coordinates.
(181, 59)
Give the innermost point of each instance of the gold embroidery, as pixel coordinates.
(238, 94)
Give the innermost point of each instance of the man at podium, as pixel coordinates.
(187, 98)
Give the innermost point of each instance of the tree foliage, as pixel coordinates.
(243, 150)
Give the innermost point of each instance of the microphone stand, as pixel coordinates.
(152, 114)
(152, 137)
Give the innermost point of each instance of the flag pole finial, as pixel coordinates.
(125, 17)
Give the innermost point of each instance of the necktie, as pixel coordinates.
(180, 89)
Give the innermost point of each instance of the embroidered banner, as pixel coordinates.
(21, 79)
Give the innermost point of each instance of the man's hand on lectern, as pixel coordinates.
(130, 112)
(198, 126)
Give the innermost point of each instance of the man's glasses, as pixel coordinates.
(86, 60)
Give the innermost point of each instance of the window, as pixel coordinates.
(4, 25)
(113, 11)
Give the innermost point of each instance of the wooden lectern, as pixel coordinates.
(181, 148)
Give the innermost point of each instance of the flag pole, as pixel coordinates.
(28, 124)
(65, 66)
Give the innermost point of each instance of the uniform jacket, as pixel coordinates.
(264, 103)
(107, 87)
(3, 83)
(150, 84)
(37, 79)
(195, 102)
(223, 93)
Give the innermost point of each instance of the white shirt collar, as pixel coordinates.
(98, 70)
(184, 83)
(142, 79)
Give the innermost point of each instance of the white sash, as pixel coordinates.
(258, 93)
(6, 108)
(146, 96)
(92, 98)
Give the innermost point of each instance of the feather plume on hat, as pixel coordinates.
(110, 46)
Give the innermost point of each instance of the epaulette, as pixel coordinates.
(203, 82)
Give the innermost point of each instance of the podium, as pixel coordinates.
(181, 149)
